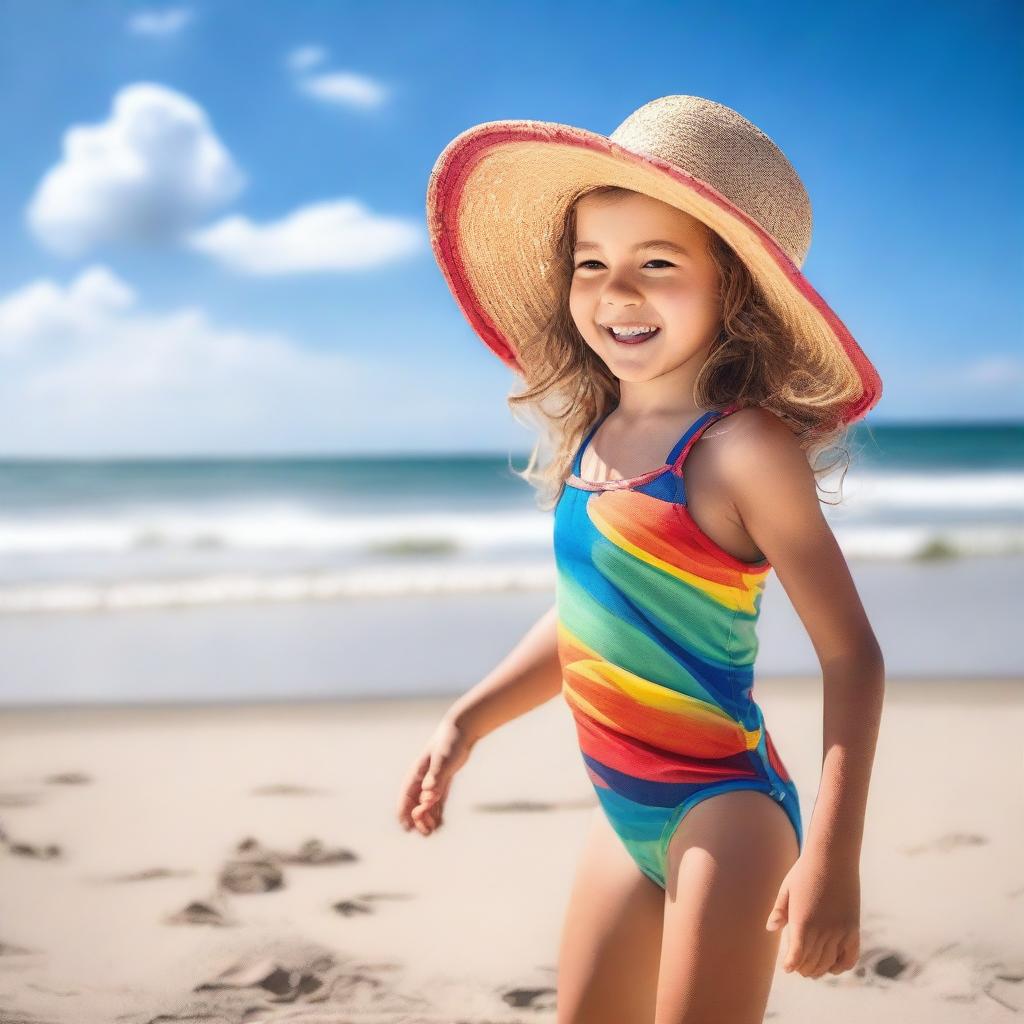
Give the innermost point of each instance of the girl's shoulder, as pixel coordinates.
(752, 423)
(753, 437)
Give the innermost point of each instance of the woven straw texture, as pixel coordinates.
(499, 191)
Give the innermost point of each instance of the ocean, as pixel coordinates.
(120, 534)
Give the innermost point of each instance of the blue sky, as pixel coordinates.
(213, 214)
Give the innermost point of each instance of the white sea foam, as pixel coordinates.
(441, 576)
(270, 527)
(995, 497)
(288, 587)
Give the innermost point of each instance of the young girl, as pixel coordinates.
(648, 283)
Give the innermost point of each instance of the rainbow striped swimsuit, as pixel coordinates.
(657, 640)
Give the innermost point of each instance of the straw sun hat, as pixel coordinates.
(499, 192)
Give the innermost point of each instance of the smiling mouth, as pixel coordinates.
(637, 339)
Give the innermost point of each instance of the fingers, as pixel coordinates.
(814, 955)
(826, 958)
(426, 819)
(780, 912)
(426, 816)
(410, 792)
(422, 802)
(797, 949)
(805, 949)
(848, 954)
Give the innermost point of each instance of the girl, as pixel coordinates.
(648, 283)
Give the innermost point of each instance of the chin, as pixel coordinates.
(635, 375)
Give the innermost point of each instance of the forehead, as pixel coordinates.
(634, 217)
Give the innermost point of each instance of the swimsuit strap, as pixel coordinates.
(678, 453)
(690, 437)
(684, 441)
(578, 461)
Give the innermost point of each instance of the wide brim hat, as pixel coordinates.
(499, 192)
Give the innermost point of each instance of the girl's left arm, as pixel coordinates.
(774, 497)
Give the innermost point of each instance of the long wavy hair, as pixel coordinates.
(752, 360)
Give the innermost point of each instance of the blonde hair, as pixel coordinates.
(753, 361)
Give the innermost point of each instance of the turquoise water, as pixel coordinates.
(80, 533)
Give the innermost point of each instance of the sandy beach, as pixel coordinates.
(243, 863)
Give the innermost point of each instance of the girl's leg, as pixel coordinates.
(611, 939)
(726, 862)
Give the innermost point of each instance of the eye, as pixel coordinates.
(580, 266)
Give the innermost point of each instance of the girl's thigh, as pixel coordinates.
(611, 938)
(726, 862)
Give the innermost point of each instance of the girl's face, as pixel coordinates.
(621, 278)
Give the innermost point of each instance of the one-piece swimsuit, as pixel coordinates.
(657, 641)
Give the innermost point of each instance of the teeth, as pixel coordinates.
(631, 332)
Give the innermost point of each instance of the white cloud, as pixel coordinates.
(41, 313)
(996, 371)
(341, 88)
(337, 235)
(991, 373)
(152, 170)
(344, 88)
(160, 23)
(302, 58)
(84, 369)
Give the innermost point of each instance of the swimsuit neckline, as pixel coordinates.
(622, 484)
(674, 461)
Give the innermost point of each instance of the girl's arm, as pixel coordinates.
(774, 497)
(527, 676)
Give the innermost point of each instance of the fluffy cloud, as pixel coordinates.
(344, 88)
(336, 235)
(151, 171)
(996, 370)
(339, 88)
(302, 58)
(167, 22)
(84, 369)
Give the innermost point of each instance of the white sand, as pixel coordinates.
(467, 920)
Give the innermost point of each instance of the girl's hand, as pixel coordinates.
(421, 804)
(820, 900)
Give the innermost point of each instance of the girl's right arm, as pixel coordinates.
(527, 676)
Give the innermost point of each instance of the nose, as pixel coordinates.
(618, 288)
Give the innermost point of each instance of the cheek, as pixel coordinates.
(688, 306)
(580, 303)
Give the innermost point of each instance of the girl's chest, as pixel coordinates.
(705, 498)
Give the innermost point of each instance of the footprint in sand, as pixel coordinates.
(68, 779)
(12, 799)
(363, 904)
(511, 806)
(150, 873)
(211, 911)
(287, 789)
(885, 962)
(312, 851)
(1005, 985)
(8, 949)
(948, 842)
(250, 875)
(950, 973)
(533, 998)
(266, 973)
(284, 974)
(27, 849)
(258, 868)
